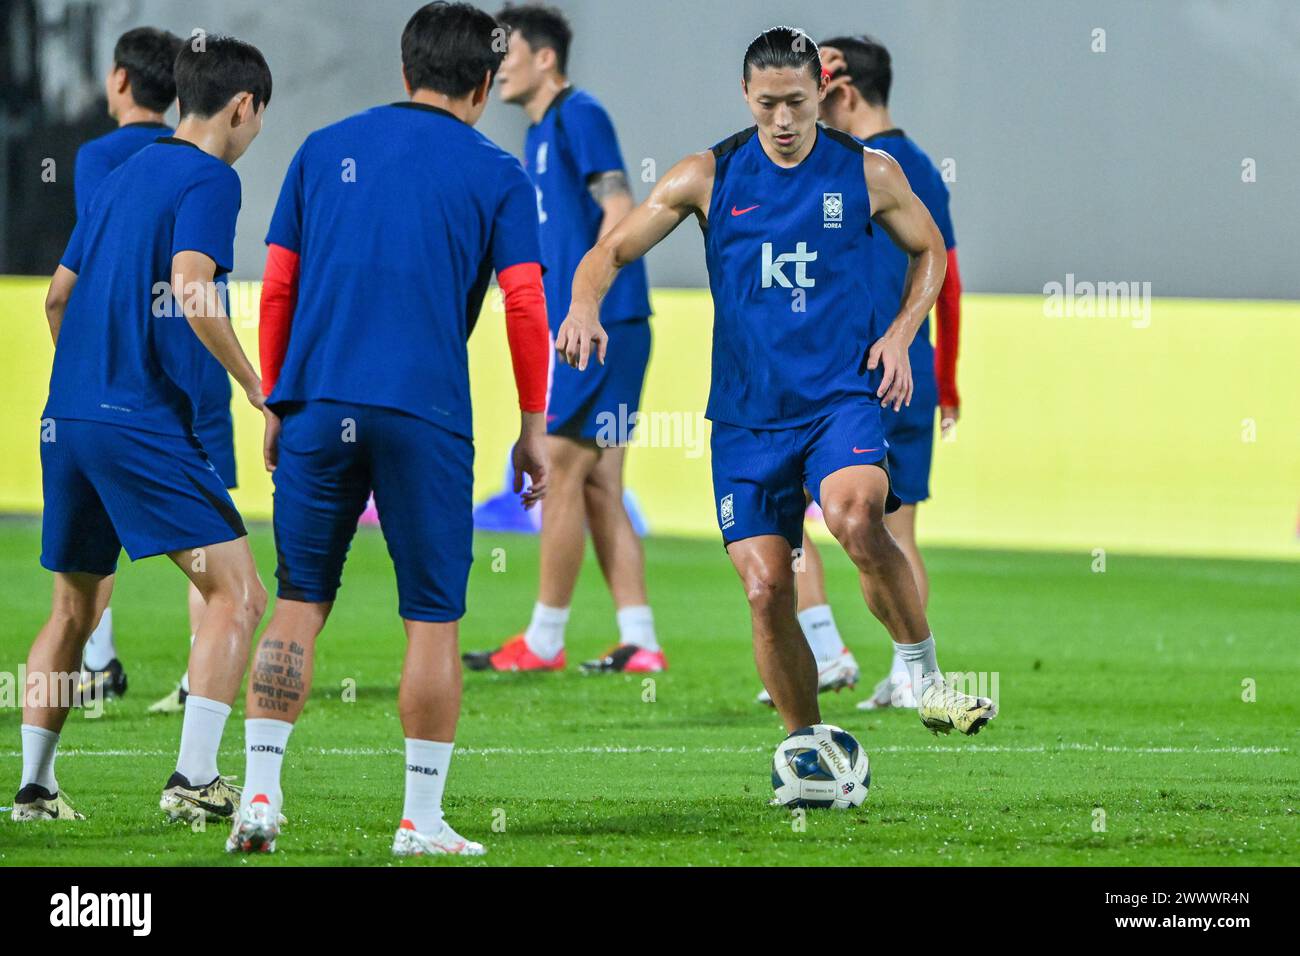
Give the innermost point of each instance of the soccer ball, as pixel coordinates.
(820, 766)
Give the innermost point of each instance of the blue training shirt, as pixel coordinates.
(126, 354)
(95, 160)
(889, 263)
(100, 156)
(573, 142)
(399, 214)
(788, 253)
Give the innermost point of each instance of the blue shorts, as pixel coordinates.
(599, 403)
(108, 488)
(759, 475)
(910, 434)
(332, 454)
(218, 439)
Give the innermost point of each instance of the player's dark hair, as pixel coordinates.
(783, 48)
(543, 27)
(867, 63)
(148, 56)
(447, 47)
(208, 74)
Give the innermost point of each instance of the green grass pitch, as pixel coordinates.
(1121, 694)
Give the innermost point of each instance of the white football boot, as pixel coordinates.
(836, 674)
(409, 841)
(255, 829)
(891, 692)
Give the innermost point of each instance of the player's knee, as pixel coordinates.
(72, 616)
(567, 477)
(861, 533)
(768, 595)
(600, 492)
(247, 599)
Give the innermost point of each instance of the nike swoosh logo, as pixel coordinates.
(863, 451)
(741, 212)
(221, 809)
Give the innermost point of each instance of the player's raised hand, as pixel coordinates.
(529, 458)
(580, 337)
(895, 388)
(833, 62)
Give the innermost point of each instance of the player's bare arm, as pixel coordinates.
(56, 299)
(194, 287)
(685, 189)
(614, 196)
(904, 217)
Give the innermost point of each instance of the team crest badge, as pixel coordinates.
(832, 210)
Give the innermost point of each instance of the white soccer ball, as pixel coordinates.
(821, 766)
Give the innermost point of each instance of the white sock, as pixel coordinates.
(426, 777)
(898, 672)
(545, 634)
(920, 662)
(205, 719)
(39, 746)
(185, 678)
(265, 741)
(636, 625)
(823, 636)
(100, 649)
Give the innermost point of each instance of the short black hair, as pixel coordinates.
(867, 63)
(447, 47)
(210, 73)
(781, 48)
(543, 27)
(148, 56)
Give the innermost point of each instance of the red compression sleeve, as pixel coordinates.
(279, 296)
(948, 333)
(527, 332)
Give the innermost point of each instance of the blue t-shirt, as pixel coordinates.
(99, 157)
(788, 253)
(95, 160)
(126, 354)
(399, 215)
(889, 263)
(573, 142)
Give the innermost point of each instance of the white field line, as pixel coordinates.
(587, 751)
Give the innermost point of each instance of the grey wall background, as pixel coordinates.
(1119, 165)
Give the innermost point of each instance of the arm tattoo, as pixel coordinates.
(601, 185)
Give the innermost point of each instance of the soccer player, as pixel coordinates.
(573, 158)
(140, 89)
(387, 230)
(133, 307)
(788, 209)
(857, 102)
